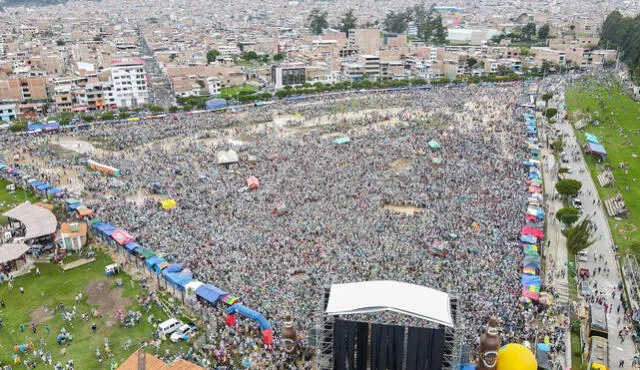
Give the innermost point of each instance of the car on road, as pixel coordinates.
(184, 332)
(584, 288)
(583, 256)
(577, 204)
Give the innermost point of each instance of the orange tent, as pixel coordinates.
(84, 211)
(252, 182)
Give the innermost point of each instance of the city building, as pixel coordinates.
(8, 112)
(129, 83)
(288, 74)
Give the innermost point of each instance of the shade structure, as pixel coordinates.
(168, 204)
(36, 220)
(387, 295)
(122, 237)
(131, 246)
(252, 182)
(10, 252)
(210, 293)
(84, 211)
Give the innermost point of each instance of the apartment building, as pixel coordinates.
(288, 74)
(366, 39)
(129, 83)
(8, 112)
(24, 89)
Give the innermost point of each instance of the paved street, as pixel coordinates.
(603, 246)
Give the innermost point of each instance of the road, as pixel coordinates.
(603, 245)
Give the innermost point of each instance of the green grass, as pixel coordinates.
(230, 91)
(619, 133)
(56, 286)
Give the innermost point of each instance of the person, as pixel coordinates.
(47, 329)
(2, 303)
(37, 271)
(94, 327)
(621, 363)
(21, 290)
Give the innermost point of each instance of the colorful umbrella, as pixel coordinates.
(545, 299)
(525, 300)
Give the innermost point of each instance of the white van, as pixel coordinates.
(583, 256)
(169, 327)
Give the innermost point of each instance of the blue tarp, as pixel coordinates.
(104, 228)
(178, 279)
(597, 148)
(174, 267)
(131, 246)
(591, 138)
(246, 311)
(35, 127)
(160, 262)
(151, 261)
(210, 293)
(36, 183)
(51, 126)
(73, 206)
(214, 104)
(531, 280)
(528, 239)
(44, 187)
(543, 347)
(54, 191)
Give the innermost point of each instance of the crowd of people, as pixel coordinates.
(323, 213)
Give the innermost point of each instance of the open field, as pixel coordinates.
(44, 293)
(618, 130)
(10, 200)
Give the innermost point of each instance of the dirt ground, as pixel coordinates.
(40, 315)
(108, 300)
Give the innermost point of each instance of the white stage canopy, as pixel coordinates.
(37, 220)
(386, 295)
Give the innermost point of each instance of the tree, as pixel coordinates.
(524, 51)
(550, 113)
(279, 57)
(348, 21)
(546, 97)
(397, 22)
(124, 115)
(568, 215)
(18, 126)
(156, 109)
(543, 32)
(471, 62)
(107, 116)
(568, 187)
(173, 109)
(528, 31)
(579, 237)
(212, 55)
(440, 32)
(317, 21)
(250, 55)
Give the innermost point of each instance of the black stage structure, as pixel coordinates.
(355, 345)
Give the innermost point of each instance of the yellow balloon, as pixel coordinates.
(514, 356)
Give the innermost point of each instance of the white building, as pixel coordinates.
(213, 85)
(8, 112)
(129, 83)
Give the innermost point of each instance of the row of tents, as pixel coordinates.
(174, 274)
(532, 232)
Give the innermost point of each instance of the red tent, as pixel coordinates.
(122, 237)
(538, 233)
(252, 182)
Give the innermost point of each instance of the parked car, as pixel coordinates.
(577, 204)
(184, 332)
(36, 250)
(583, 256)
(584, 288)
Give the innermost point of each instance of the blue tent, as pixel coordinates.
(528, 239)
(543, 347)
(35, 127)
(174, 267)
(531, 280)
(54, 191)
(210, 293)
(73, 206)
(178, 279)
(160, 264)
(596, 149)
(151, 261)
(104, 228)
(591, 138)
(51, 126)
(44, 187)
(132, 246)
(215, 104)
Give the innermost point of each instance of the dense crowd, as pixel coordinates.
(324, 213)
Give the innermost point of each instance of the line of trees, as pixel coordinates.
(623, 34)
(427, 20)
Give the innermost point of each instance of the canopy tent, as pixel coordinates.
(35, 127)
(105, 228)
(84, 211)
(593, 148)
(178, 279)
(122, 237)
(529, 271)
(227, 156)
(74, 206)
(591, 138)
(144, 253)
(174, 267)
(342, 140)
(44, 186)
(531, 280)
(36, 220)
(215, 104)
(538, 233)
(151, 261)
(210, 293)
(528, 238)
(160, 264)
(168, 204)
(131, 246)
(434, 144)
(55, 191)
(386, 295)
(542, 359)
(11, 252)
(254, 315)
(252, 182)
(193, 285)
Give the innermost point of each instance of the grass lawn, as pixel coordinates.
(56, 286)
(618, 131)
(230, 91)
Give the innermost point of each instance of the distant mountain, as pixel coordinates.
(10, 3)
